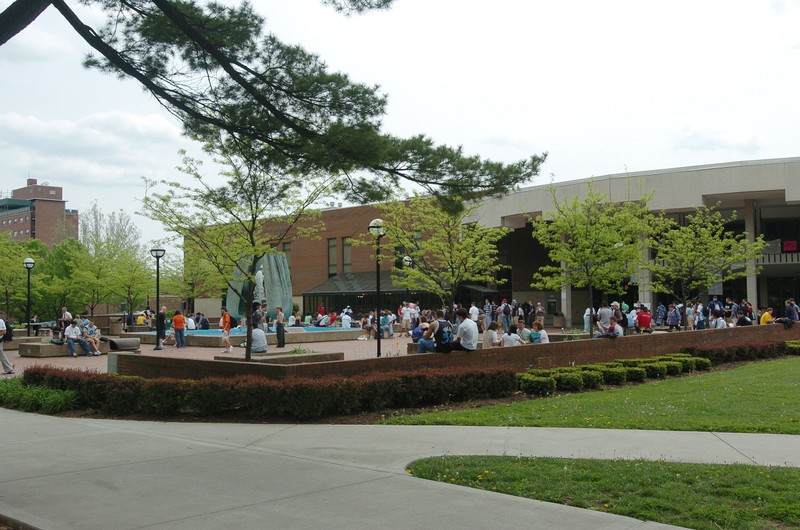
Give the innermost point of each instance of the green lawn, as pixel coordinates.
(688, 495)
(758, 397)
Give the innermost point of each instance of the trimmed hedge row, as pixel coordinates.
(259, 397)
(541, 382)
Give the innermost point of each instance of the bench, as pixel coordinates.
(48, 349)
(413, 349)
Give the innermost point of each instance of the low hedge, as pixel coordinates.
(258, 397)
(568, 381)
(793, 347)
(537, 386)
(635, 374)
(747, 351)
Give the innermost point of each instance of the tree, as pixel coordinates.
(58, 287)
(594, 243)
(215, 68)
(444, 248)
(689, 260)
(189, 274)
(12, 274)
(117, 264)
(233, 226)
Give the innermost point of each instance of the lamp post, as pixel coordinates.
(407, 263)
(158, 253)
(377, 230)
(28, 263)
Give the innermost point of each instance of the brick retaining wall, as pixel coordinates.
(519, 358)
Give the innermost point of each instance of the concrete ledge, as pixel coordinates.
(47, 349)
(14, 345)
(298, 358)
(293, 336)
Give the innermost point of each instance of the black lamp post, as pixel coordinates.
(158, 253)
(377, 231)
(28, 263)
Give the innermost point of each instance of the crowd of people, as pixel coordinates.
(616, 319)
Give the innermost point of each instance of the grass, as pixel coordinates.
(688, 495)
(14, 394)
(759, 397)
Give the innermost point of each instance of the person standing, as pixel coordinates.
(65, 320)
(8, 368)
(539, 313)
(280, 327)
(161, 326)
(179, 327)
(225, 326)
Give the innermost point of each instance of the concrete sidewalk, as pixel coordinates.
(83, 474)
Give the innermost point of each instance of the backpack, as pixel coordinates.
(234, 322)
(9, 336)
(506, 309)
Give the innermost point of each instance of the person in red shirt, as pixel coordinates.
(179, 327)
(644, 321)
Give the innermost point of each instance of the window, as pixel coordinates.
(287, 249)
(347, 261)
(52, 192)
(332, 269)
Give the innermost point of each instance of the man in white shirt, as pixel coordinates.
(474, 312)
(258, 341)
(347, 321)
(65, 320)
(72, 335)
(190, 323)
(467, 333)
(405, 325)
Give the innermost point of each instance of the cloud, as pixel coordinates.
(108, 147)
(709, 139)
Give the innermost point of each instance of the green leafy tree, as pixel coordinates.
(117, 264)
(59, 287)
(216, 68)
(689, 260)
(594, 243)
(189, 275)
(233, 226)
(13, 275)
(444, 248)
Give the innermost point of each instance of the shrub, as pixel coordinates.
(614, 375)
(537, 386)
(539, 372)
(635, 374)
(701, 363)
(31, 398)
(633, 362)
(163, 396)
(657, 370)
(793, 347)
(592, 379)
(687, 363)
(569, 381)
(673, 367)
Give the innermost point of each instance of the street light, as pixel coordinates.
(158, 253)
(29, 263)
(377, 230)
(407, 263)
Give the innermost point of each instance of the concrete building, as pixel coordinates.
(330, 270)
(764, 193)
(38, 211)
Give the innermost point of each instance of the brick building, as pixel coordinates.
(38, 211)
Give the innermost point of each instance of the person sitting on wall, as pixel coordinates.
(538, 329)
(347, 321)
(72, 335)
(323, 321)
(742, 319)
(419, 331)
(467, 333)
(612, 331)
(644, 321)
(258, 341)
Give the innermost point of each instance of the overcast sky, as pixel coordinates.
(603, 87)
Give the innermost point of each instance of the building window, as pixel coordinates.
(332, 257)
(287, 249)
(347, 260)
(52, 192)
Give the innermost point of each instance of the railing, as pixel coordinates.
(782, 258)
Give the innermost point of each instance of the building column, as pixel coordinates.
(750, 228)
(566, 295)
(644, 279)
(566, 305)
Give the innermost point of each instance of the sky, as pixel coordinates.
(602, 87)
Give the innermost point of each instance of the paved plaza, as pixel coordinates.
(78, 473)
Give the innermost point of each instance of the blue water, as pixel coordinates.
(239, 331)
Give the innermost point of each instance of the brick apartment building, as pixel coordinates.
(38, 211)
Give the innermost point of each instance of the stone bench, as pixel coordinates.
(48, 349)
(18, 341)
